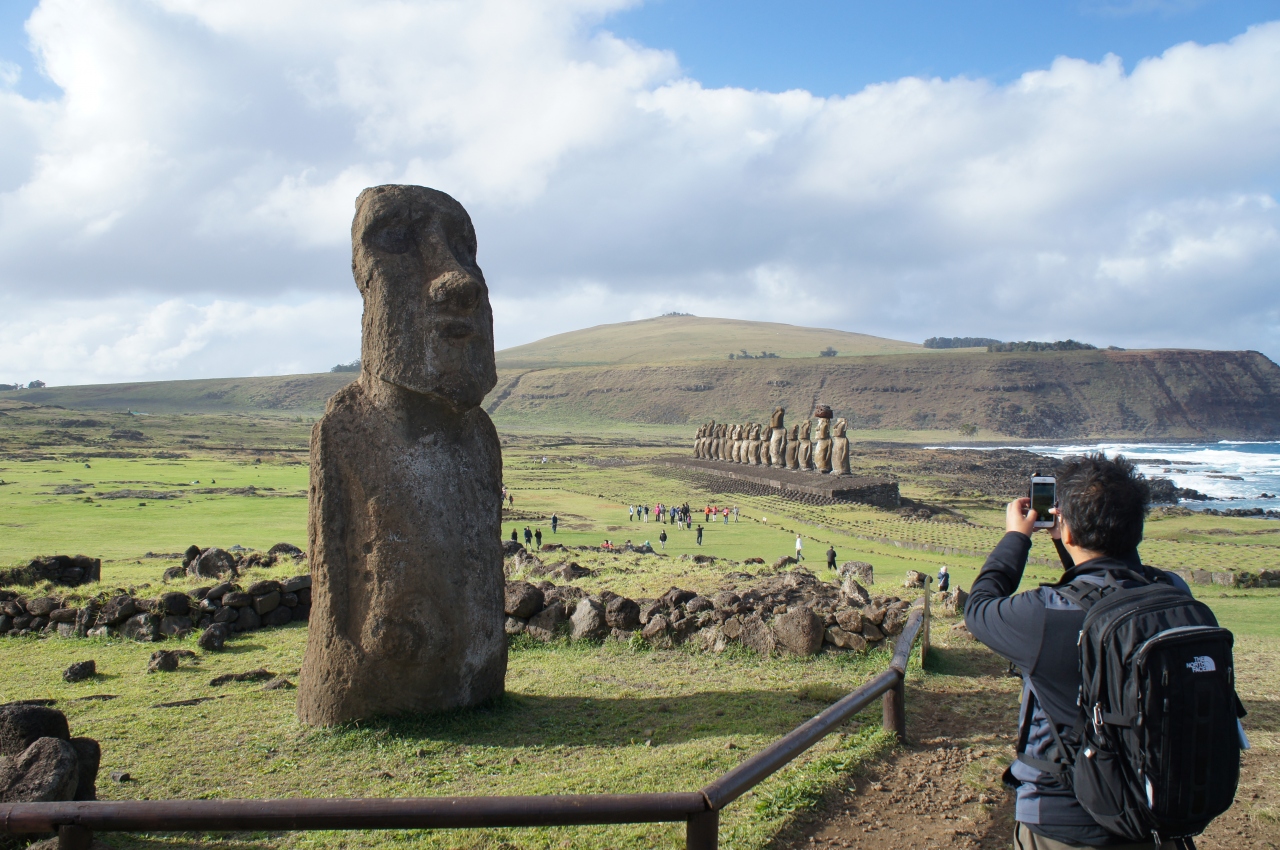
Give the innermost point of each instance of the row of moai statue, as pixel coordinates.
(820, 447)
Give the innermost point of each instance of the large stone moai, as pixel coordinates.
(839, 448)
(753, 446)
(804, 456)
(778, 438)
(822, 440)
(404, 523)
(717, 443)
(793, 448)
(738, 439)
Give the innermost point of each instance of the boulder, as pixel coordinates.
(874, 614)
(546, 623)
(756, 634)
(698, 604)
(849, 619)
(623, 614)
(219, 590)
(588, 621)
(214, 638)
(296, 584)
(23, 725)
(42, 606)
(853, 593)
(915, 578)
(262, 588)
(861, 570)
(264, 605)
(952, 602)
(289, 600)
(237, 599)
(511, 548)
(675, 597)
(872, 632)
(784, 562)
(226, 615)
(894, 621)
(47, 771)
(212, 563)
(166, 660)
(284, 549)
(279, 616)
(142, 627)
(63, 615)
(514, 625)
(732, 627)
(841, 639)
(248, 620)
(80, 671)
(656, 629)
(172, 626)
(799, 631)
(521, 599)
(649, 611)
(88, 759)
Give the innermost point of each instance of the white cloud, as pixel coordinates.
(206, 155)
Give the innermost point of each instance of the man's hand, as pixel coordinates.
(1018, 517)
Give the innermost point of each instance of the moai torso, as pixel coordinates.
(839, 448)
(793, 448)
(822, 446)
(805, 454)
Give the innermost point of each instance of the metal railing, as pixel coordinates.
(75, 822)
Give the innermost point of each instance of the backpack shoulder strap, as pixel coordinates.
(1087, 593)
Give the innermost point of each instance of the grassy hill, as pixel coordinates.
(680, 338)
(1167, 394)
(674, 371)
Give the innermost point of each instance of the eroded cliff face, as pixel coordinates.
(1053, 395)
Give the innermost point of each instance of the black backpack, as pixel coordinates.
(1155, 750)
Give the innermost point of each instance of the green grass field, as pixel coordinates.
(576, 718)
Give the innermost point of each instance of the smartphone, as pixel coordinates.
(1044, 495)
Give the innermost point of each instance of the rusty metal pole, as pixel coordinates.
(702, 831)
(895, 711)
(71, 837)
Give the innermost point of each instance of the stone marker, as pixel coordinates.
(404, 524)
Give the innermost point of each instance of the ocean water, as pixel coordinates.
(1232, 474)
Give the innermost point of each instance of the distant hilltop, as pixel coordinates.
(676, 370)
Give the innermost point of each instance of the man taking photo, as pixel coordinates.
(1101, 505)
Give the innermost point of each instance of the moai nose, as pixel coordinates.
(456, 291)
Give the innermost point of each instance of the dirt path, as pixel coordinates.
(943, 789)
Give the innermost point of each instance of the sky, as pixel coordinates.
(177, 177)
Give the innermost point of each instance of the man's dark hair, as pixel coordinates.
(1104, 501)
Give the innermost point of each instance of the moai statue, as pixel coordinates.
(753, 445)
(793, 448)
(777, 438)
(822, 440)
(839, 448)
(739, 442)
(404, 520)
(722, 443)
(805, 454)
(765, 460)
(697, 441)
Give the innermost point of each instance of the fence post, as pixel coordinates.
(895, 713)
(924, 638)
(702, 831)
(71, 837)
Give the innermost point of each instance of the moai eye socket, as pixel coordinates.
(393, 238)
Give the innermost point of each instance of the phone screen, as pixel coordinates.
(1043, 496)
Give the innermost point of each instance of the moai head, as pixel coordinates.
(427, 325)
(804, 429)
(839, 427)
(776, 421)
(794, 433)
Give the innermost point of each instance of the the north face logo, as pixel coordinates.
(1201, 664)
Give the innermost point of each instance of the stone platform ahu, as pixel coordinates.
(809, 462)
(404, 521)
